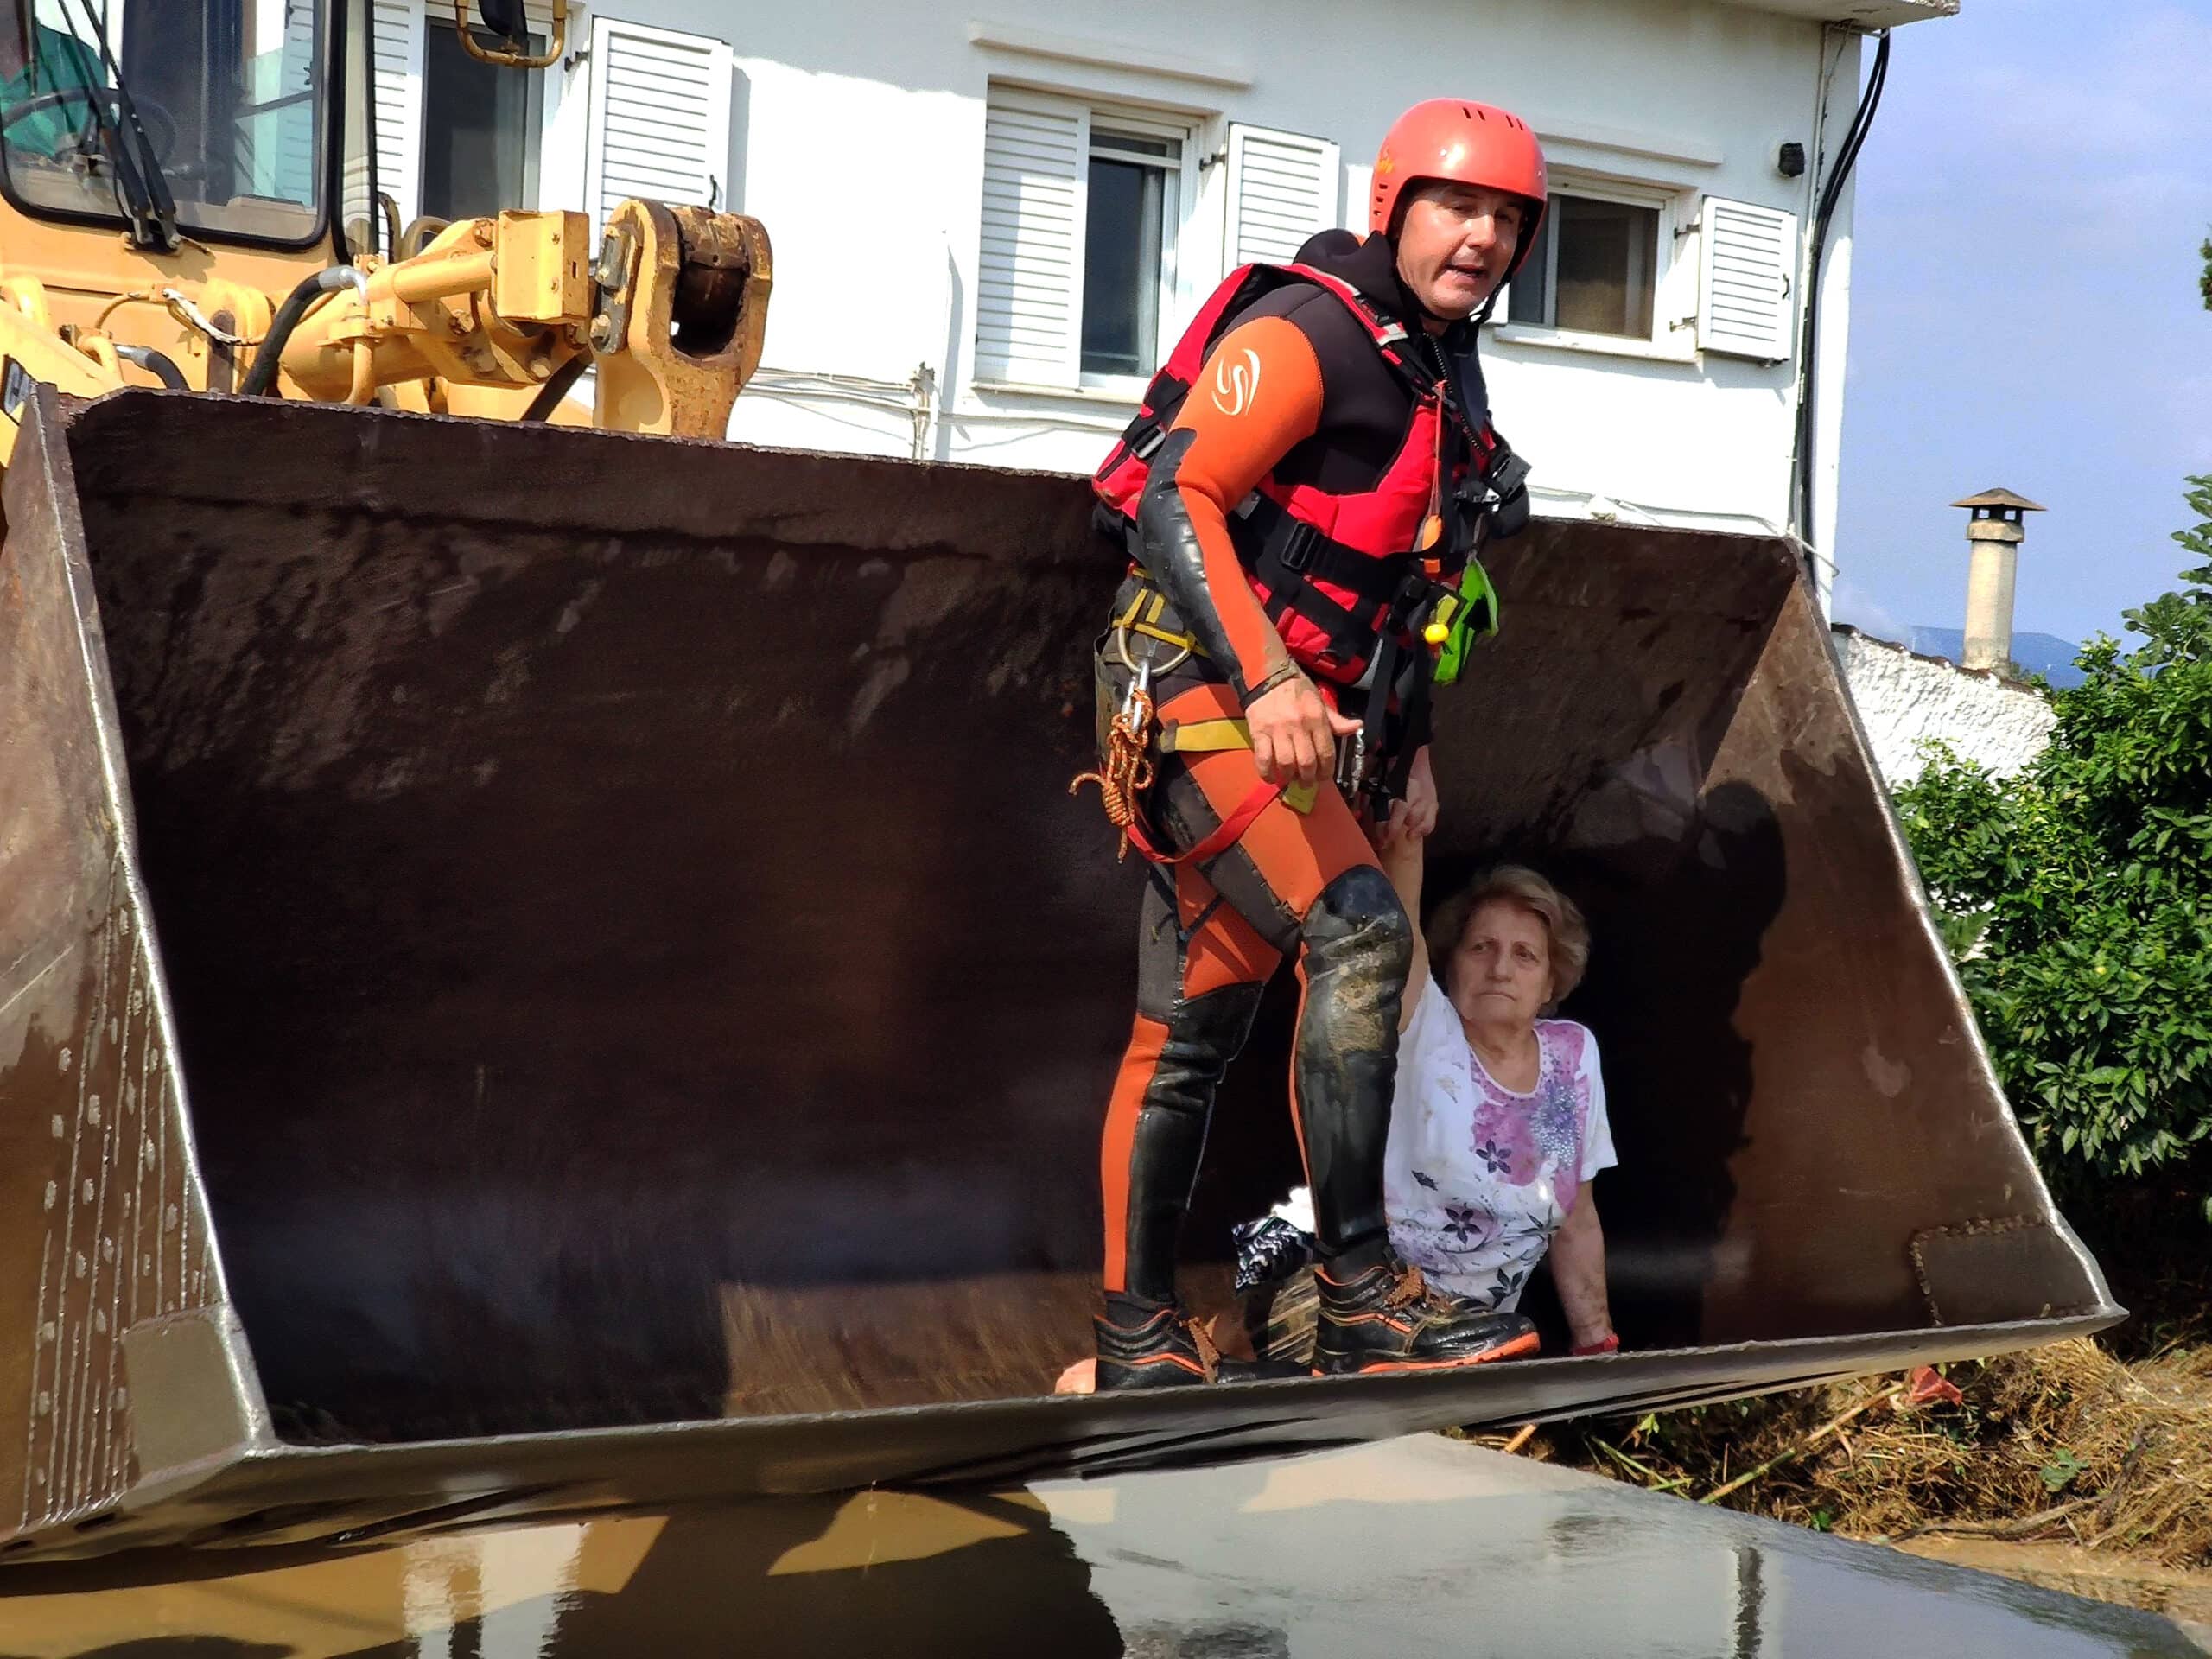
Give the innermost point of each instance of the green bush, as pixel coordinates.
(2076, 896)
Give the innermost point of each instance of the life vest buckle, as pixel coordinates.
(1297, 551)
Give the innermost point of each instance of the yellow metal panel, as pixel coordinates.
(541, 267)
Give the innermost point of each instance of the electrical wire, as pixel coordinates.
(1861, 122)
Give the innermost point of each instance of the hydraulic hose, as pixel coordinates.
(551, 394)
(1830, 195)
(262, 374)
(158, 364)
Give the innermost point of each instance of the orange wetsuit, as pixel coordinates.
(1294, 390)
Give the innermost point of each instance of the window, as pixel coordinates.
(1593, 269)
(229, 94)
(479, 127)
(1085, 271)
(1082, 214)
(1651, 271)
(455, 136)
(1128, 248)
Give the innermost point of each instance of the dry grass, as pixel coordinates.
(2065, 1442)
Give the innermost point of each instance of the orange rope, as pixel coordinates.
(1127, 772)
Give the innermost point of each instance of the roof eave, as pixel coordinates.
(1862, 14)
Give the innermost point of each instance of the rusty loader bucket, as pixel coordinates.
(540, 968)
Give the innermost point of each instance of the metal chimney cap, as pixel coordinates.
(2001, 498)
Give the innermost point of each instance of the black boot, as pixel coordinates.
(1148, 1345)
(1388, 1319)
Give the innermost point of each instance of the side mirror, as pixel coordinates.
(511, 22)
(507, 19)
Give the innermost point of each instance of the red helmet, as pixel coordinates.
(1471, 144)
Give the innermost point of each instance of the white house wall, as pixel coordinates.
(1906, 701)
(857, 137)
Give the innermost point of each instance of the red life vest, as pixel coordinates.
(1327, 567)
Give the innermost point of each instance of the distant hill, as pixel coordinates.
(2039, 653)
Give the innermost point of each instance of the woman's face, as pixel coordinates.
(1501, 974)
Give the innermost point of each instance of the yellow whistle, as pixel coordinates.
(1437, 632)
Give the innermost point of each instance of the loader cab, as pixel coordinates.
(215, 120)
(244, 126)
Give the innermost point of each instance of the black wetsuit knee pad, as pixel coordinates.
(1358, 924)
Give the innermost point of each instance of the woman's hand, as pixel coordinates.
(1413, 819)
(1294, 733)
(1417, 812)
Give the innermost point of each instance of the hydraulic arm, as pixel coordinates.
(669, 308)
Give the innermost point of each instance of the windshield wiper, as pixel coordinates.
(146, 198)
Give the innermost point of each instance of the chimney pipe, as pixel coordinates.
(1995, 532)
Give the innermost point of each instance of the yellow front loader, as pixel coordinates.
(174, 179)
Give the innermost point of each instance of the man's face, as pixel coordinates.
(1455, 244)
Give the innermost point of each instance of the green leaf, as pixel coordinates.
(2059, 1473)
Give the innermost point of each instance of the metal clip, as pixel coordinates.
(1351, 764)
(1141, 672)
(1139, 688)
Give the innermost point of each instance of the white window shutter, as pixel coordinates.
(1359, 180)
(659, 127)
(1747, 261)
(1283, 187)
(397, 43)
(1029, 273)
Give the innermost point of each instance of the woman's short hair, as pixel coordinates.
(1568, 934)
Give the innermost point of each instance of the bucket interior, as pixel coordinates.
(635, 957)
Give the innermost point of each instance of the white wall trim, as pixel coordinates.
(1105, 54)
(1622, 140)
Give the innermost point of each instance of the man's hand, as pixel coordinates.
(1294, 733)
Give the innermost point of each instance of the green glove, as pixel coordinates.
(1473, 616)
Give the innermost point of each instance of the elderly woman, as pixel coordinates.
(1497, 1127)
(1499, 1121)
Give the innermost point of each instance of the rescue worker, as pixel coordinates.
(1300, 486)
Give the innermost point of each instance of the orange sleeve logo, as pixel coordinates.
(1236, 384)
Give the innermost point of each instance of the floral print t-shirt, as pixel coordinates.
(1477, 1178)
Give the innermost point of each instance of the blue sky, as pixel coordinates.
(2025, 310)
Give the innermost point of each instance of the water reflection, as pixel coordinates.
(1415, 1547)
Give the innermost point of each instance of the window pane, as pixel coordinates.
(1124, 237)
(1128, 144)
(230, 92)
(478, 120)
(1605, 267)
(1528, 298)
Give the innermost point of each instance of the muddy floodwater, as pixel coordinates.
(1419, 1546)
